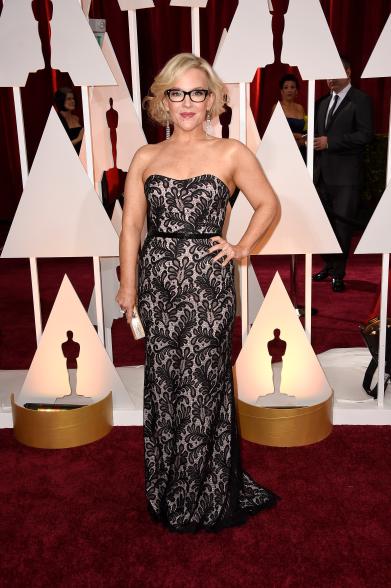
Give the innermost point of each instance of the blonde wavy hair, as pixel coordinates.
(177, 65)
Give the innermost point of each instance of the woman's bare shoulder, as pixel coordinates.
(229, 145)
(232, 147)
(144, 155)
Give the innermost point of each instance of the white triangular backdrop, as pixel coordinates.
(20, 44)
(59, 213)
(308, 43)
(130, 135)
(379, 63)
(248, 44)
(302, 375)
(377, 235)
(255, 295)
(47, 378)
(109, 279)
(74, 47)
(189, 3)
(303, 226)
(135, 4)
(86, 4)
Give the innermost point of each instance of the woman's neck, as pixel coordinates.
(288, 103)
(188, 137)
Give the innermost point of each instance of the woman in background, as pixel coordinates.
(65, 102)
(294, 112)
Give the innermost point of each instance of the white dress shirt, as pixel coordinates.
(341, 95)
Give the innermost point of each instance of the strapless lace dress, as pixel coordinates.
(186, 302)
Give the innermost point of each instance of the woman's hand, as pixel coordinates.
(300, 139)
(227, 250)
(126, 298)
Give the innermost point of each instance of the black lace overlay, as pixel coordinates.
(186, 302)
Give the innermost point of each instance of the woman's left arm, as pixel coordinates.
(249, 177)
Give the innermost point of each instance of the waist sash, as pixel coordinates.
(182, 235)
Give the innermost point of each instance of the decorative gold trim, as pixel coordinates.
(285, 427)
(59, 429)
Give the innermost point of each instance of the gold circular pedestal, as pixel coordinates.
(285, 427)
(59, 429)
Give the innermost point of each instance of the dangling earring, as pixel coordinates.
(168, 130)
(208, 123)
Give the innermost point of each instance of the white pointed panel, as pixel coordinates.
(302, 375)
(221, 42)
(130, 135)
(20, 44)
(110, 285)
(135, 4)
(189, 3)
(59, 213)
(116, 218)
(252, 133)
(74, 47)
(379, 63)
(308, 43)
(239, 220)
(248, 44)
(109, 279)
(377, 236)
(85, 4)
(255, 295)
(47, 377)
(303, 226)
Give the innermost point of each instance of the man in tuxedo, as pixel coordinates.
(343, 127)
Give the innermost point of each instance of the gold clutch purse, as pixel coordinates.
(136, 325)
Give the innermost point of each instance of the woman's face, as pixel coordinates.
(69, 102)
(289, 90)
(188, 115)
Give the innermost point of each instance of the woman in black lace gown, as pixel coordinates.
(186, 300)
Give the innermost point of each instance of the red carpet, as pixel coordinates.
(76, 518)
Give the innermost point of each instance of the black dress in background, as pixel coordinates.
(186, 302)
(297, 126)
(72, 133)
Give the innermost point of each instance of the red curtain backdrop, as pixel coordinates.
(164, 31)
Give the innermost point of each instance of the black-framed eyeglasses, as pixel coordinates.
(196, 95)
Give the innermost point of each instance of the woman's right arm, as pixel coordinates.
(79, 137)
(133, 217)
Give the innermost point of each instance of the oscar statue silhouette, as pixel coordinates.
(276, 348)
(43, 13)
(278, 9)
(225, 118)
(113, 180)
(71, 351)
